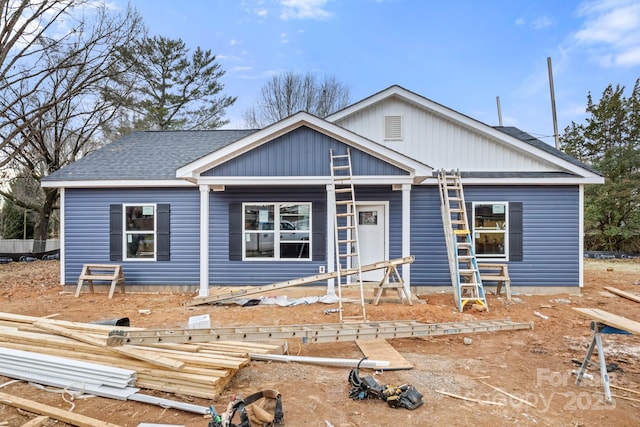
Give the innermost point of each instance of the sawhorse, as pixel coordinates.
(604, 323)
(598, 329)
(392, 280)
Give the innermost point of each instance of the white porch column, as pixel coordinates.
(63, 277)
(406, 235)
(331, 254)
(204, 241)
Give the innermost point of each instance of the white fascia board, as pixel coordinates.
(524, 181)
(303, 180)
(118, 184)
(464, 121)
(193, 170)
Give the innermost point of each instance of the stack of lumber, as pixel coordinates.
(194, 369)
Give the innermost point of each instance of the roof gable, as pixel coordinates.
(300, 152)
(195, 170)
(447, 139)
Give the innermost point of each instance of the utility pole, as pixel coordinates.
(553, 104)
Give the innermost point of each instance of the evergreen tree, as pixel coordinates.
(172, 89)
(610, 142)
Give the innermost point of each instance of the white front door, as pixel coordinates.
(372, 237)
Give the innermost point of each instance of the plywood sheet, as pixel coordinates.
(380, 349)
(610, 319)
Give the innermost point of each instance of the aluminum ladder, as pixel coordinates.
(347, 249)
(463, 265)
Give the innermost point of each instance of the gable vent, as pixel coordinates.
(393, 128)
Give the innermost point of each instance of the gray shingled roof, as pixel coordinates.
(150, 155)
(156, 155)
(525, 137)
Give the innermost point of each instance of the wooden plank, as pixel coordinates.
(469, 399)
(623, 294)
(297, 282)
(127, 351)
(380, 349)
(50, 411)
(36, 422)
(610, 319)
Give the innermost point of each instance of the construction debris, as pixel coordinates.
(198, 370)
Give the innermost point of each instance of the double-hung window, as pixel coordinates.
(276, 231)
(140, 231)
(490, 229)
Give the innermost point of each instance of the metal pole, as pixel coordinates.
(499, 110)
(553, 104)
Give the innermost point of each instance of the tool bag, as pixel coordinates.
(261, 409)
(404, 396)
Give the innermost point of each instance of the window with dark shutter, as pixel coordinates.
(277, 231)
(163, 234)
(143, 229)
(115, 233)
(515, 231)
(496, 227)
(235, 232)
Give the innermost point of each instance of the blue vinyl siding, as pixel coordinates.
(550, 234)
(224, 272)
(87, 234)
(302, 152)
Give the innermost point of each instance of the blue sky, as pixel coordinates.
(459, 53)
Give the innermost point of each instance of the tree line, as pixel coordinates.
(609, 141)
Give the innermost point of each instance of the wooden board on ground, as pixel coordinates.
(623, 294)
(52, 412)
(380, 349)
(610, 319)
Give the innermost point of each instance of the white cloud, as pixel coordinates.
(611, 30)
(541, 22)
(304, 9)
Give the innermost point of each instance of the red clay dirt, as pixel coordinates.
(532, 365)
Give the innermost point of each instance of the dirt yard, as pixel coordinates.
(533, 365)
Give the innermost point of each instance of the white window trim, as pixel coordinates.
(125, 233)
(275, 231)
(492, 257)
